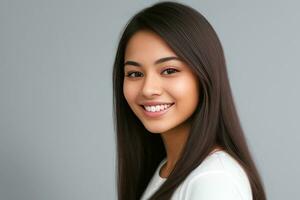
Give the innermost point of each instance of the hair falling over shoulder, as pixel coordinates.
(215, 121)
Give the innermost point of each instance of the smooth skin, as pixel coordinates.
(171, 81)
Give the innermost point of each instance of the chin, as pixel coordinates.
(156, 129)
(153, 129)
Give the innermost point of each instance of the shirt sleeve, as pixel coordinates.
(217, 185)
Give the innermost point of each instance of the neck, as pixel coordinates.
(174, 142)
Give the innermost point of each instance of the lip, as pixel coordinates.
(156, 114)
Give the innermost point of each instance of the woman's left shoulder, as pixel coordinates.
(219, 176)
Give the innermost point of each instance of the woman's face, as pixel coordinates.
(163, 93)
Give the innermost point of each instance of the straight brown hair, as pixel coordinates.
(214, 122)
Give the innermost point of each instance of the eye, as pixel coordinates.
(133, 74)
(170, 70)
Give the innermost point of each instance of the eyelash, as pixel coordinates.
(168, 69)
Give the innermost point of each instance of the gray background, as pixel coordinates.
(56, 130)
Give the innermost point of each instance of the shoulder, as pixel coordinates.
(219, 176)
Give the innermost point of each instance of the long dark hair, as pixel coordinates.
(214, 122)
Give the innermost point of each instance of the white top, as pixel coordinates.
(218, 177)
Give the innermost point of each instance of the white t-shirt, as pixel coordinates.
(218, 177)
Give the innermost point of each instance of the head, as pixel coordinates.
(186, 83)
(169, 54)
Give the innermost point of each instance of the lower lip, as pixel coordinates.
(156, 114)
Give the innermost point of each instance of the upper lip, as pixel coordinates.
(154, 103)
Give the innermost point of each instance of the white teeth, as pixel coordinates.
(157, 108)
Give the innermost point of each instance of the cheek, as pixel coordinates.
(129, 91)
(185, 93)
(185, 89)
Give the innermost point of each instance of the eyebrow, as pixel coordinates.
(161, 60)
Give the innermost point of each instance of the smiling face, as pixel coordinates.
(160, 89)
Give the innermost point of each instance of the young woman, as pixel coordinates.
(178, 132)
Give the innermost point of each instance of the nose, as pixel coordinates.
(151, 86)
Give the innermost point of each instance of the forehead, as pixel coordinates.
(147, 45)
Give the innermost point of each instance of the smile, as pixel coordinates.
(157, 110)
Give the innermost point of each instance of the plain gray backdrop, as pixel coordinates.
(56, 129)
